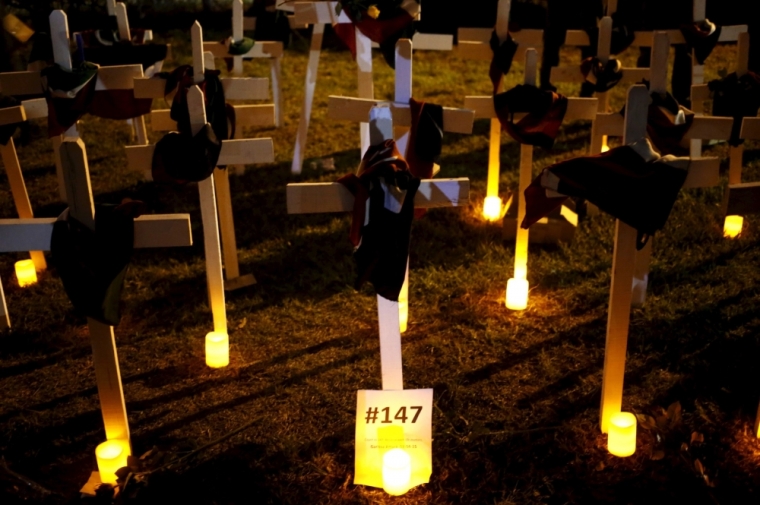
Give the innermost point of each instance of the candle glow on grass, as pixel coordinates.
(732, 227)
(492, 208)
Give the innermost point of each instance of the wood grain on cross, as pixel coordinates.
(151, 231)
(234, 152)
(703, 172)
(313, 198)
(319, 14)
(272, 50)
(357, 109)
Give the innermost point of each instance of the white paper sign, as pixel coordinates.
(387, 420)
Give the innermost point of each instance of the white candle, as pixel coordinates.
(492, 208)
(397, 472)
(217, 349)
(111, 455)
(621, 438)
(732, 227)
(517, 294)
(25, 273)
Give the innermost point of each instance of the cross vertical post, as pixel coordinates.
(599, 142)
(623, 262)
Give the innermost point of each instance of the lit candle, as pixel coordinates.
(25, 273)
(403, 313)
(111, 455)
(732, 227)
(605, 147)
(217, 349)
(397, 472)
(621, 438)
(517, 294)
(492, 208)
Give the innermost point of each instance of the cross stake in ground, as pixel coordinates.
(311, 198)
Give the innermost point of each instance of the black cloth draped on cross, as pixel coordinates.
(701, 37)
(381, 234)
(425, 138)
(667, 123)
(7, 130)
(72, 93)
(394, 21)
(545, 111)
(503, 54)
(736, 97)
(181, 156)
(602, 76)
(632, 183)
(622, 35)
(93, 264)
(238, 48)
(105, 47)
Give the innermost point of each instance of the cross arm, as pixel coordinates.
(155, 230)
(245, 115)
(30, 83)
(703, 127)
(750, 128)
(235, 88)
(577, 108)
(323, 197)
(357, 110)
(573, 74)
(260, 49)
(429, 42)
(234, 152)
(742, 199)
(312, 13)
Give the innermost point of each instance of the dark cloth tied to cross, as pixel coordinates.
(180, 156)
(544, 110)
(632, 183)
(93, 263)
(239, 48)
(602, 76)
(393, 22)
(70, 94)
(384, 190)
(7, 130)
(702, 37)
(736, 97)
(503, 54)
(105, 47)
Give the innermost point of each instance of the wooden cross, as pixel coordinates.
(703, 172)
(261, 49)
(623, 267)
(151, 231)
(312, 198)
(234, 152)
(357, 109)
(319, 14)
(743, 199)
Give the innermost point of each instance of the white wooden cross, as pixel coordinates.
(703, 172)
(319, 14)
(743, 198)
(234, 152)
(312, 198)
(356, 109)
(272, 50)
(623, 267)
(151, 231)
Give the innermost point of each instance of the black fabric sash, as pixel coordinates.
(736, 97)
(7, 131)
(93, 264)
(602, 76)
(503, 54)
(632, 183)
(545, 111)
(702, 37)
(382, 243)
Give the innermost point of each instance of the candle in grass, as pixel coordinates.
(111, 455)
(492, 208)
(397, 472)
(25, 273)
(621, 437)
(217, 349)
(732, 227)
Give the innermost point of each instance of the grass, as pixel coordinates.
(516, 394)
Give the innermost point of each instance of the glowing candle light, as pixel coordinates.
(111, 455)
(25, 273)
(492, 208)
(517, 294)
(732, 227)
(605, 147)
(403, 313)
(397, 472)
(217, 349)
(621, 438)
